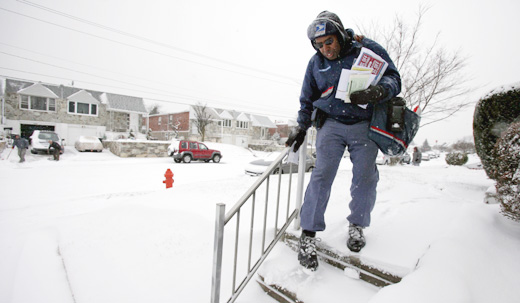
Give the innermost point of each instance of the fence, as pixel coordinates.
(249, 200)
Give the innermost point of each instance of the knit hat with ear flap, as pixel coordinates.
(327, 23)
(330, 16)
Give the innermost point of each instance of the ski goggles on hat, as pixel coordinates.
(319, 45)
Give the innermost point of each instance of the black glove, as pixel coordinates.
(297, 135)
(369, 95)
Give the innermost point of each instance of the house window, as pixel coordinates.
(82, 108)
(37, 103)
(224, 123)
(52, 105)
(159, 121)
(242, 124)
(24, 102)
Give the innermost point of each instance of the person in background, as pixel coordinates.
(417, 157)
(22, 144)
(56, 148)
(340, 125)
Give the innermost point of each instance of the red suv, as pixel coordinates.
(186, 151)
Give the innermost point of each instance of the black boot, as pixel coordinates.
(356, 240)
(307, 255)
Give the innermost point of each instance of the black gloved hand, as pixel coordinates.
(297, 135)
(369, 95)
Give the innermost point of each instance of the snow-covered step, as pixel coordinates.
(369, 273)
(277, 292)
(282, 278)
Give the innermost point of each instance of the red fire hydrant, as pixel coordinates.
(169, 178)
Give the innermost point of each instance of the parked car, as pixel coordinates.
(426, 156)
(39, 141)
(258, 167)
(405, 158)
(186, 151)
(382, 159)
(88, 143)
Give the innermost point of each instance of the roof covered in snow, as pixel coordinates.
(124, 103)
(39, 90)
(83, 96)
(262, 121)
(226, 114)
(114, 102)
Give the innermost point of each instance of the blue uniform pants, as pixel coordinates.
(332, 139)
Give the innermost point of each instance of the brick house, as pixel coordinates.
(229, 126)
(69, 111)
(168, 126)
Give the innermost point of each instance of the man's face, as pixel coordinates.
(329, 46)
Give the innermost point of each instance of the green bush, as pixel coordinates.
(493, 115)
(456, 158)
(507, 153)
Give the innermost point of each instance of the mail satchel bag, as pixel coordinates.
(393, 126)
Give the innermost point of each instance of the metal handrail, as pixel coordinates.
(223, 218)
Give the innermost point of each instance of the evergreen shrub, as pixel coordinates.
(456, 158)
(507, 153)
(493, 115)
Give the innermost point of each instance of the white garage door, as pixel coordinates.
(242, 141)
(227, 139)
(74, 131)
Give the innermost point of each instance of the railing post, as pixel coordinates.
(301, 178)
(217, 252)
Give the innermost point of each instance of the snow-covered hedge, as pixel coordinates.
(508, 171)
(456, 158)
(493, 115)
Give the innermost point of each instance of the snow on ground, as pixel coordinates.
(94, 227)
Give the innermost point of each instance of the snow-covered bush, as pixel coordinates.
(493, 115)
(456, 158)
(508, 171)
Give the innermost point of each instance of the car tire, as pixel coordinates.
(177, 160)
(186, 158)
(216, 158)
(310, 169)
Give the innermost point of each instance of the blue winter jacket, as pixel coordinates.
(21, 143)
(322, 77)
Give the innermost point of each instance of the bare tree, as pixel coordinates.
(154, 109)
(202, 119)
(464, 146)
(433, 79)
(174, 126)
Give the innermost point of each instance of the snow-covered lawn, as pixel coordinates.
(97, 228)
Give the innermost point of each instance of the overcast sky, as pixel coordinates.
(233, 54)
